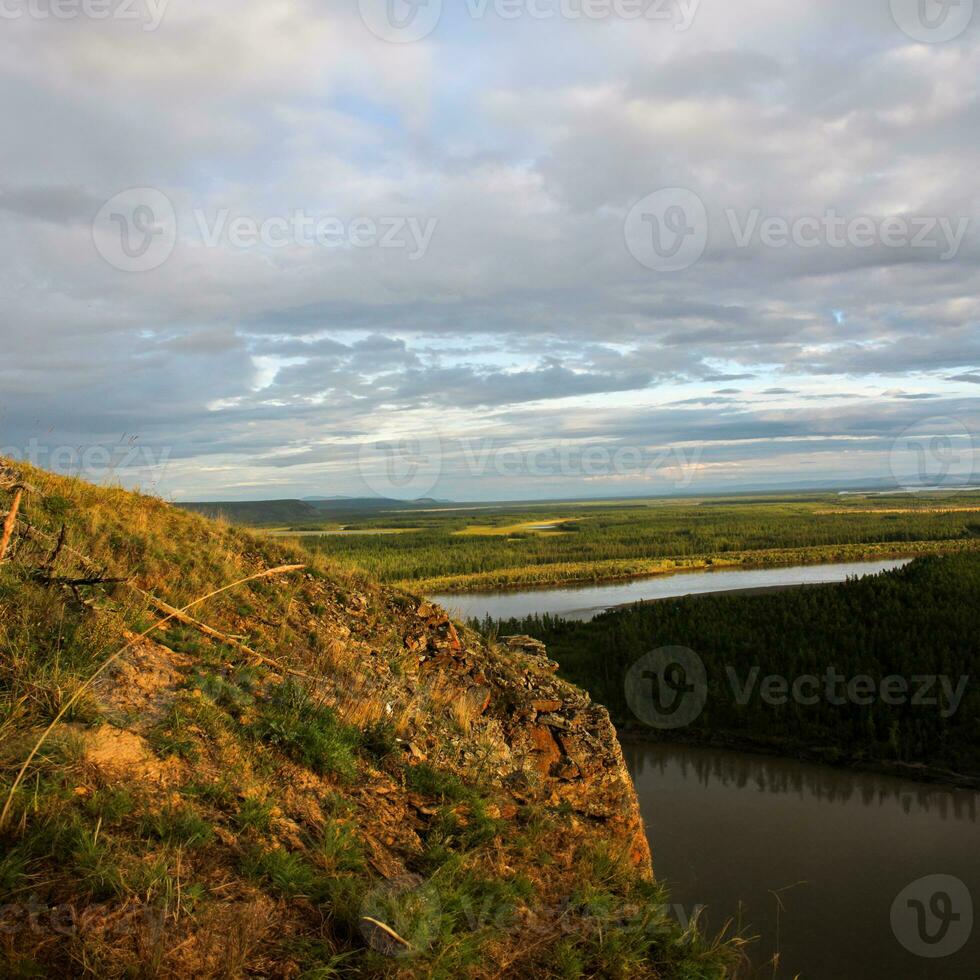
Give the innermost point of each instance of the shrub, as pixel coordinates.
(307, 732)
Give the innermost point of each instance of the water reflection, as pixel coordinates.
(820, 783)
(731, 830)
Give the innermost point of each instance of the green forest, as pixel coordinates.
(465, 549)
(921, 620)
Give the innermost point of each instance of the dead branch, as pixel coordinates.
(53, 557)
(8, 524)
(384, 938)
(168, 610)
(5, 812)
(172, 613)
(10, 480)
(162, 607)
(43, 536)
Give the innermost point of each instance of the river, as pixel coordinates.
(587, 601)
(730, 830)
(851, 856)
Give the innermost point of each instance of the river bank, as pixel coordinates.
(619, 570)
(761, 670)
(583, 602)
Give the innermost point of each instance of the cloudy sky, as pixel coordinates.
(489, 249)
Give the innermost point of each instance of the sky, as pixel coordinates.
(490, 249)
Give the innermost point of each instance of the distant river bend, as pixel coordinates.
(587, 601)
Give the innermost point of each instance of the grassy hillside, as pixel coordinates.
(322, 778)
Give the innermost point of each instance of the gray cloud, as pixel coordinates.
(527, 318)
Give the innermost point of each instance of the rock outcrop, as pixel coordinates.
(306, 743)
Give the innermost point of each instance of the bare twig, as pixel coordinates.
(168, 610)
(53, 557)
(39, 535)
(10, 480)
(214, 634)
(384, 934)
(159, 604)
(75, 582)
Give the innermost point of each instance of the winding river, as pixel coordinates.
(587, 601)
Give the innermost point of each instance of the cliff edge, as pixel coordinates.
(268, 765)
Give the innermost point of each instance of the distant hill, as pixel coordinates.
(310, 510)
(258, 512)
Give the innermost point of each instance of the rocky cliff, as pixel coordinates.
(303, 774)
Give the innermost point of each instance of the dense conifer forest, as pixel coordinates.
(913, 632)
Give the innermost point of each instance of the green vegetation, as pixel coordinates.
(912, 623)
(308, 732)
(509, 546)
(233, 800)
